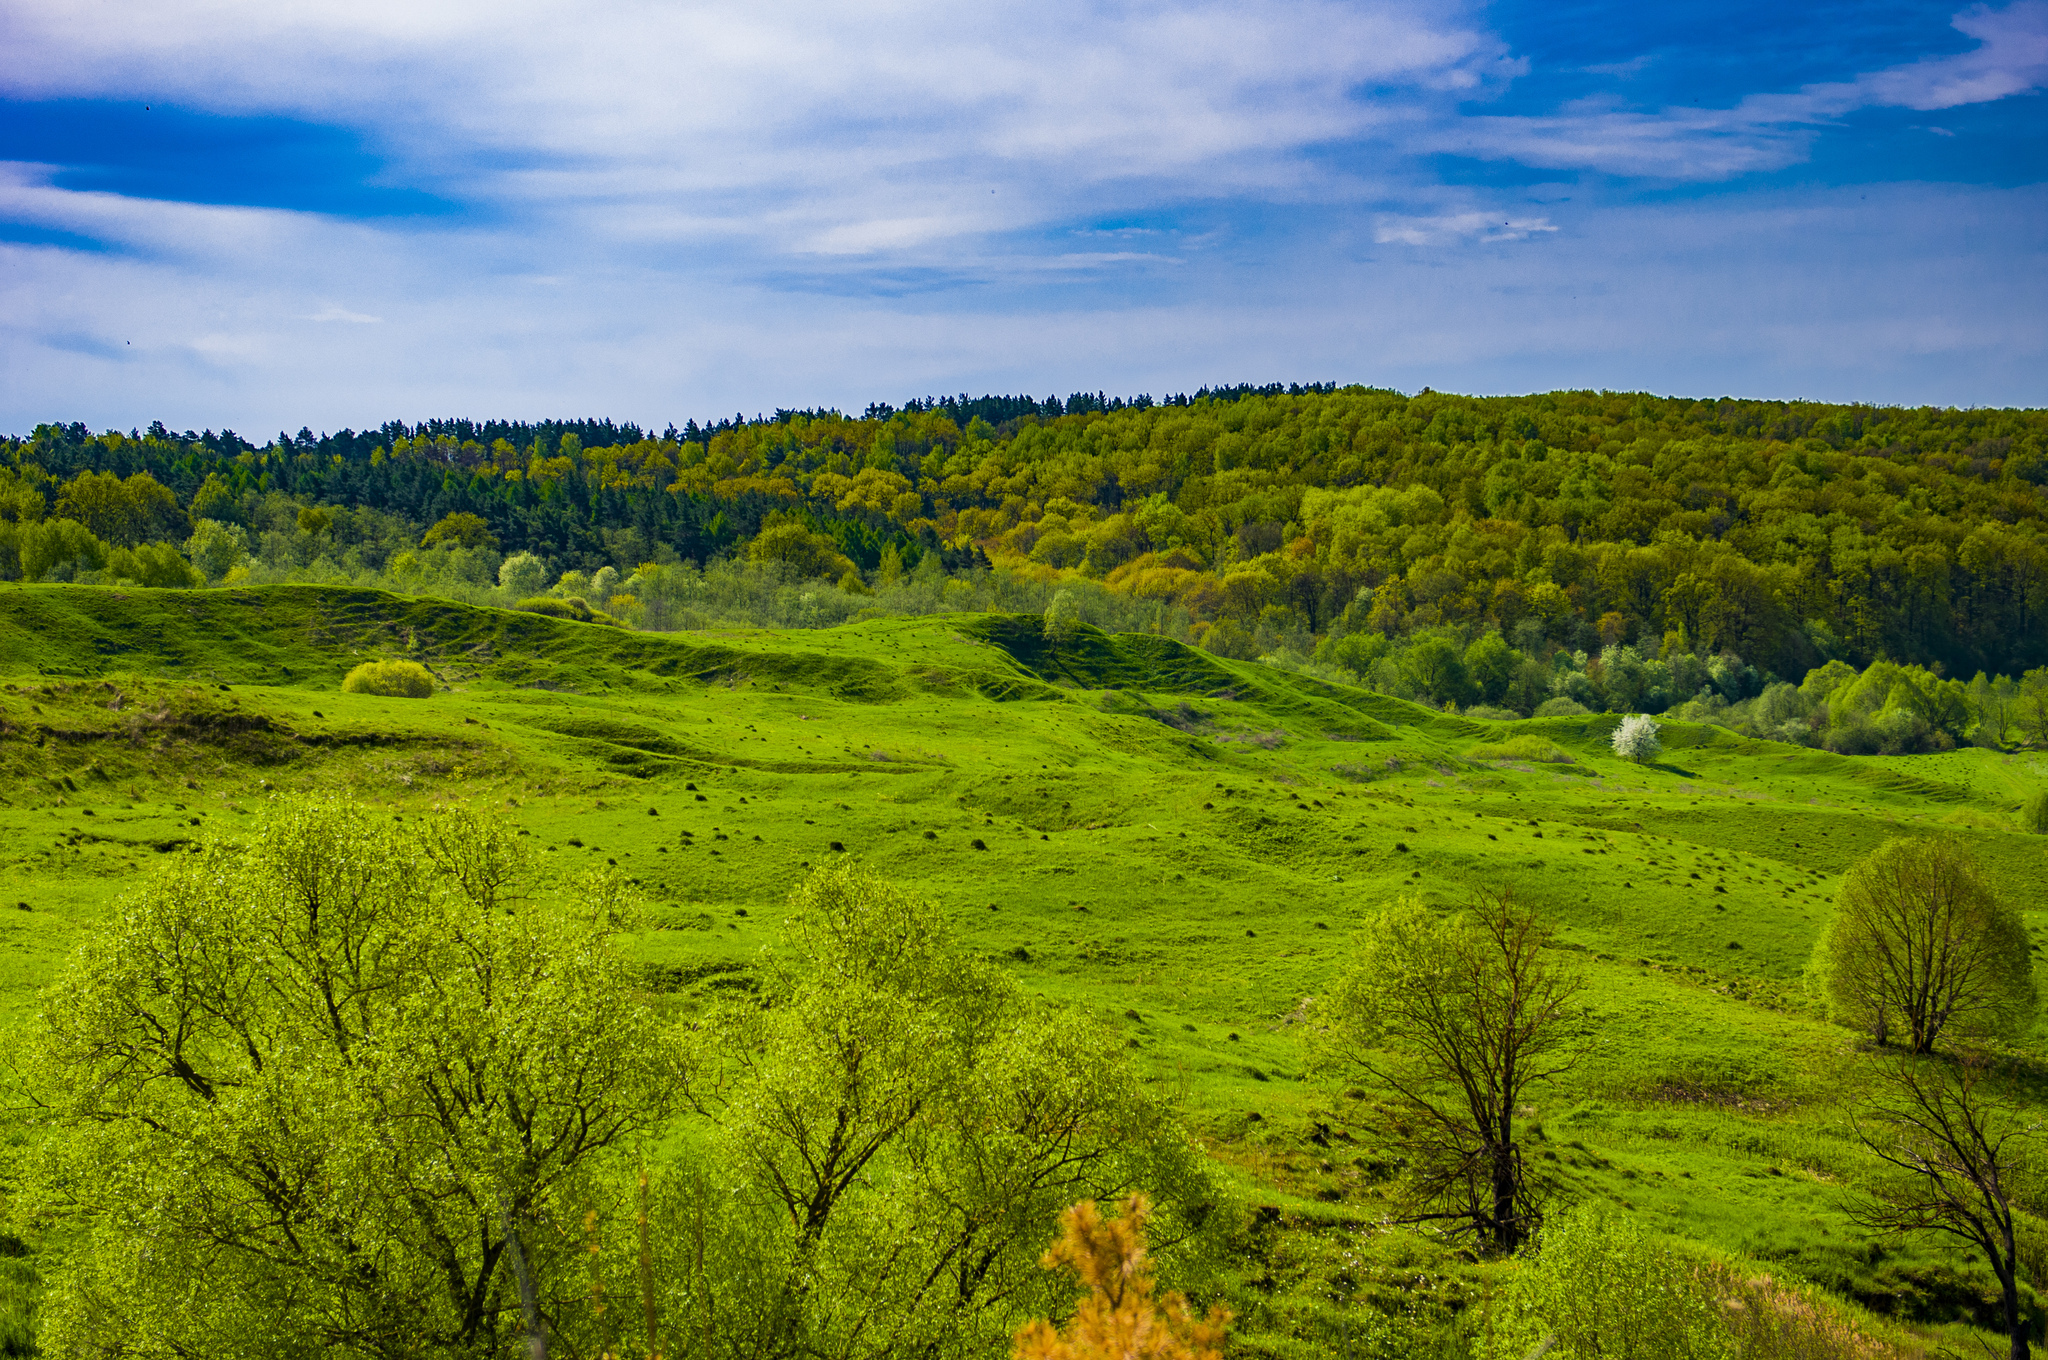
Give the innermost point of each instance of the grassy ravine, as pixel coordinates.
(1184, 844)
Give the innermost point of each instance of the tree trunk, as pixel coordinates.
(2014, 1328)
(1507, 1232)
(529, 1303)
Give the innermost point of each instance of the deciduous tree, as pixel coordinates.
(1460, 1016)
(317, 1093)
(1920, 946)
(1956, 1159)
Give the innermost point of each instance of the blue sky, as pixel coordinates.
(330, 213)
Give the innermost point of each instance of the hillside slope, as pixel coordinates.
(1182, 843)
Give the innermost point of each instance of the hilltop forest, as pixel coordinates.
(1592, 550)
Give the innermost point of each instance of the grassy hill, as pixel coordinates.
(1185, 844)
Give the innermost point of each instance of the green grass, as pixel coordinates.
(1185, 844)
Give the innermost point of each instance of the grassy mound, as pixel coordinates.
(1525, 747)
(392, 679)
(570, 608)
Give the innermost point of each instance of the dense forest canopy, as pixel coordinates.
(1788, 533)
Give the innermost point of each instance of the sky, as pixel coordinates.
(240, 214)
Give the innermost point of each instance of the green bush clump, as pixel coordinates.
(2034, 813)
(1521, 748)
(393, 679)
(572, 607)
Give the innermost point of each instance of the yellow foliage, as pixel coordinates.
(392, 679)
(1118, 1319)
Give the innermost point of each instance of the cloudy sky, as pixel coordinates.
(335, 212)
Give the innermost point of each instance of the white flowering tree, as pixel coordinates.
(1636, 739)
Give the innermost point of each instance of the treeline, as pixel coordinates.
(1790, 534)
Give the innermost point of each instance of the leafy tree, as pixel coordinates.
(1118, 1318)
(1957, 1160)
(806, 553)
(523, 575)
(1460, 1016)
(1491, 665)
(329, 1091)
(460, 528)
(216, 500)
(1920, 945)
(1635, 738)
(1438, 672)
(122, 513)
(216, 548)
(2033, 703)
(1062, 617)
(59, 548)
(900, 1125)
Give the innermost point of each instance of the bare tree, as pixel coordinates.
(1460, 1016)
(1920, 943)
(1954, 1156)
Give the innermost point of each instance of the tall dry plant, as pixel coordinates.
(1770, 1319)
(1119, 1319)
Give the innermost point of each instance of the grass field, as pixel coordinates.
(1183, 844)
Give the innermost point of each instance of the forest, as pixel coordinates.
(1732, 560)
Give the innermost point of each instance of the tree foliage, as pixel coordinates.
(898, 1127)
(1921, 947)
(1119, 1317)
(310, 1095)
(391, 679)
(1459, 1016)
(1635, 738)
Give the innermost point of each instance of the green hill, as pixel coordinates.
(1184, 843)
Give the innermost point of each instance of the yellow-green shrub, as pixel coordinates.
(393, 679)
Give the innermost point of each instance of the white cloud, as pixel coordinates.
(1465, 226)
(1765, 131)
(333, 313)
(787, 125)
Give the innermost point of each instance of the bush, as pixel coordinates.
(1604, 1289)
(1488, 713)
(2034, 813)
(1561, 707)
(392, 679)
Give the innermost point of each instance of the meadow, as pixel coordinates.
(1183, 844)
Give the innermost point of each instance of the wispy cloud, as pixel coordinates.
(1465, 226)
(332, 313)
(1765, 131)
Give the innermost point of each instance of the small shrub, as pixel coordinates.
(1561, 707)
(392, 679)
(1605, 1290)
(2034, 813)
(1120, 1316)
